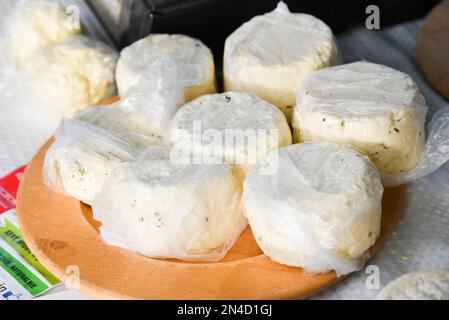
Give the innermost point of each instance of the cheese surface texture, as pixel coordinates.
(424, 285)
(373, 108)
(194, 61)
(73, 75)
(36, 24)
(270, 55)
(321, 209)
(232, 127)
(165, 210)
(82, 157)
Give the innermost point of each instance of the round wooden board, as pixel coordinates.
(432, 48)
(62, 233)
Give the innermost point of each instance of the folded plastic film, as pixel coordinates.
(307, 232)
(47, 70)
(161, 90)
(123, 119)
(162, 210)
(82, 157)
(435, 153)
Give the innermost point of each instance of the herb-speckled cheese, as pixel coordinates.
(161, 209)
(371, 107)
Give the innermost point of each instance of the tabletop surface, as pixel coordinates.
(421, 241)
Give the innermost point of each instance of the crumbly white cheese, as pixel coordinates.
(270, 55)
(74, 74)
(232, 127)
(320, 210)
(193, 58)
(123, 119)
(165, 210)
(424, 285)
(36, 24)
(81, 158)
(371, 107)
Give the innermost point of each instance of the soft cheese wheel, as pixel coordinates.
(75, 74)
(424, 285)
(270, 55)
(236, 127)
(34, 24)
(82, 157)
(194, 59)
(122, 119)
(320, 210)
(161, 209)
(371, 107)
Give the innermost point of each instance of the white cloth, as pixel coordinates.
(421, 240)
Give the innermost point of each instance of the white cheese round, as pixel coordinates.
(373, 108)
(73, 75)
(193, 58)
(81, 158)
(232, 127)
(320, 210)
(36, 24)
(424, 285)
(164, 210)
(270, 55)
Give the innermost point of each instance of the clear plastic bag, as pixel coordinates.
(123, 119)
(158, 74)
(158, 94)
(47, 69)
(82, 157)
(434, 155)
(321, 210)
(163, 210)
(34, 24)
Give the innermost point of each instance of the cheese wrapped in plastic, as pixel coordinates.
(82, 157)
(73, 75)
(158, 74)
(233, 127)
(320, 210)
(34, 24)
(375, 109)
(193, 59)
(123, 119)
(158, 94)
(165, 210)
(423, 285)
(271, 54)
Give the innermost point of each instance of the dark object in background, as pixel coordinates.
(213, 20)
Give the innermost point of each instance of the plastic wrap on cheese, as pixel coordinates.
(161, 72)
(72, 75)
(194, 61)
(24, 30)
(34, 24)
(320, 210)
(158, 94)
(271, 54)
(164, 210)
(377, 110)
(123, 119)
(423, 285)
(82, 157)
(232, 127)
